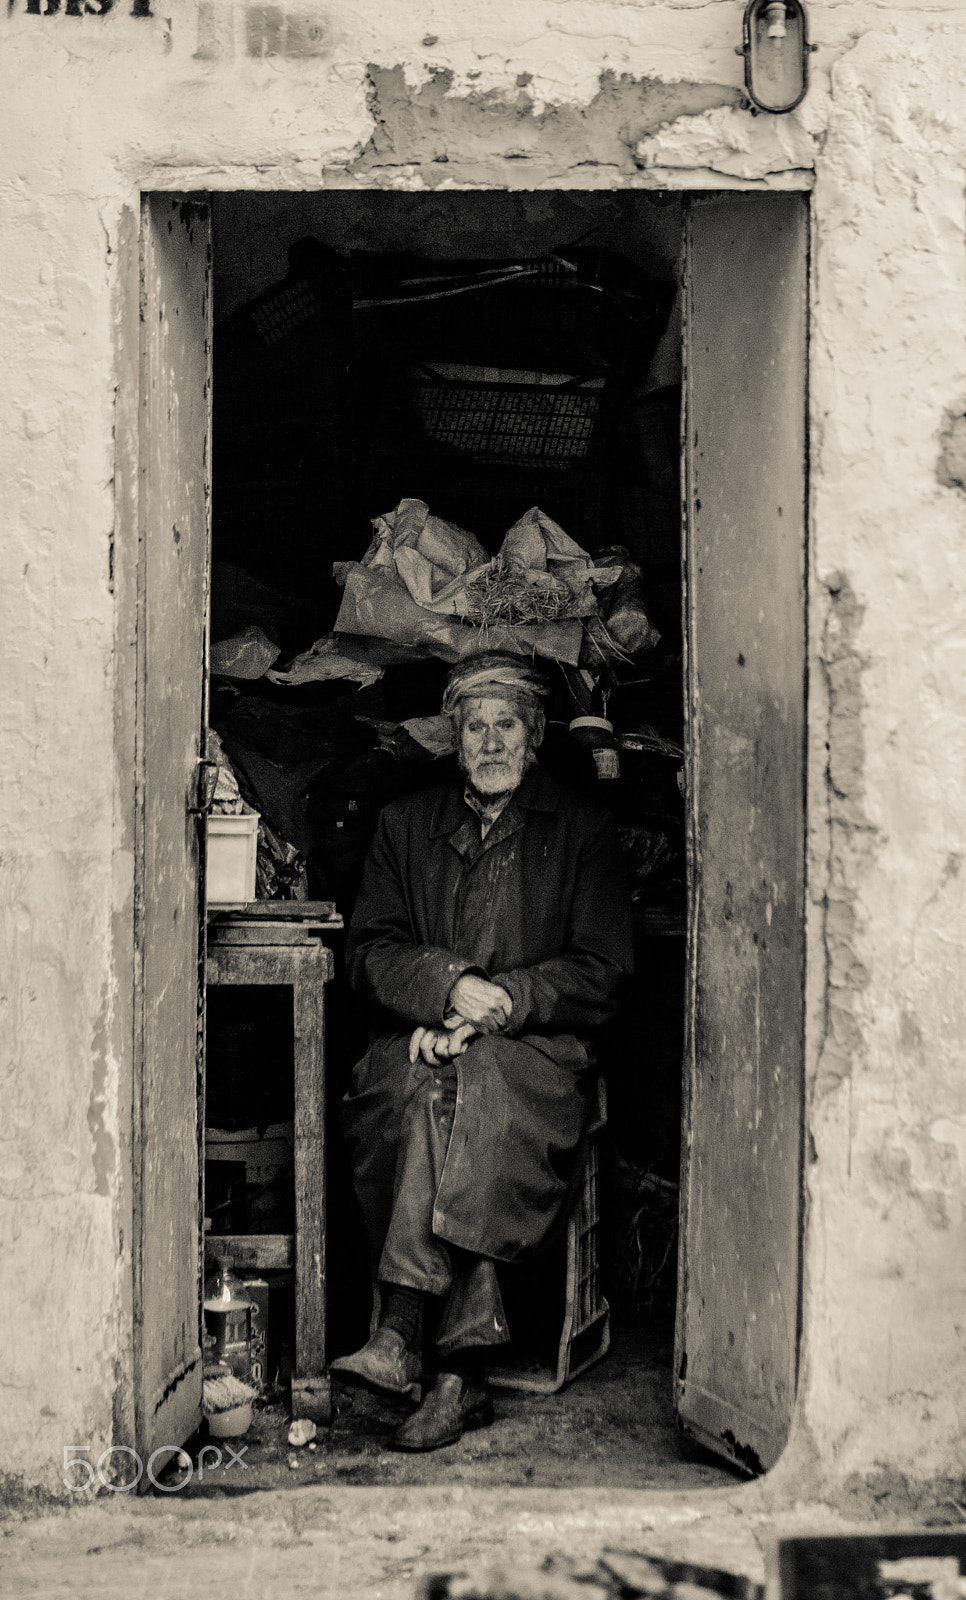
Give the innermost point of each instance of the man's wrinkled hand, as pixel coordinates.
(480, 1002)
(439, 1046)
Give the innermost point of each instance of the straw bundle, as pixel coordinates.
(224, 1393)
(504, 593)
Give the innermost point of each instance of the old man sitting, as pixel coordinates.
(491, 936)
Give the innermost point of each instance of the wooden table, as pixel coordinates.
(280, 943)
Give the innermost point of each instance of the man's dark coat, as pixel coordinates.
(541, 906)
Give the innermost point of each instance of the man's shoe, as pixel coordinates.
(387, 1365)
(451, 1408)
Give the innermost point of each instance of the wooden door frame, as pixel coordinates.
(695, 197)
(706, 1421)
(158, 480)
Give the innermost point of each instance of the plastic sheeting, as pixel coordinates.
(419, 572)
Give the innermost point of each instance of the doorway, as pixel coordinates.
(302, 463)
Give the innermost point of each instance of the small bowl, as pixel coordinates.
(229, 1424)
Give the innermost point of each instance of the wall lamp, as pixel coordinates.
(776, 50)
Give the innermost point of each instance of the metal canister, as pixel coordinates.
(596, 734)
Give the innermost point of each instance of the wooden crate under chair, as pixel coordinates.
(585, 1328)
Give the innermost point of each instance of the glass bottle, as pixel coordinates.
(228, 1321)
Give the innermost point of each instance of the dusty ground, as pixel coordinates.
(573, 1475)
(382, 1543)
(612, 1428)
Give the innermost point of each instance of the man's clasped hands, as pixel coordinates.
(475, 1006)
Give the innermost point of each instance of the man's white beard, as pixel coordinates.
(491, 776)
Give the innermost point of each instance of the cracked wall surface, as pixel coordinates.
(543, 94)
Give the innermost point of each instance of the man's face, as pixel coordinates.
(494, 745)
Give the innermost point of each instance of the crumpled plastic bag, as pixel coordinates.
(538, 544)
(323, 662)
(539, 575)
(377, 604)
(420, 572)
(247, 654)
(227, 801)
(434, 734)
(625, 612)
(280, 871)
(428, 554)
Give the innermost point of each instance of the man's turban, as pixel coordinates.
(496, 675)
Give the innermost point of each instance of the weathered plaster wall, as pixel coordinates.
(60, 1127)
(887, 1087)
(542, 93)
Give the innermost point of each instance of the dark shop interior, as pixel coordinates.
(445, 370)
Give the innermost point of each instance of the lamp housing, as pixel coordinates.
(776, 50)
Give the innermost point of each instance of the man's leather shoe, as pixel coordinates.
(386, 1365)
(451, 1408)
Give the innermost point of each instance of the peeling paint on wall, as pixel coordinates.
(850, 834)
(426, 124)
(102, 1144)
(951, 470)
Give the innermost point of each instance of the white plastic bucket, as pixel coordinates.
(231, 860)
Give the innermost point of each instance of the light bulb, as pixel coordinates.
(775, 15)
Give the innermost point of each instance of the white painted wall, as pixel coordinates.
(221, 95)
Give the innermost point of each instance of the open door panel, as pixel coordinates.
(171, 719)
(745, 464)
